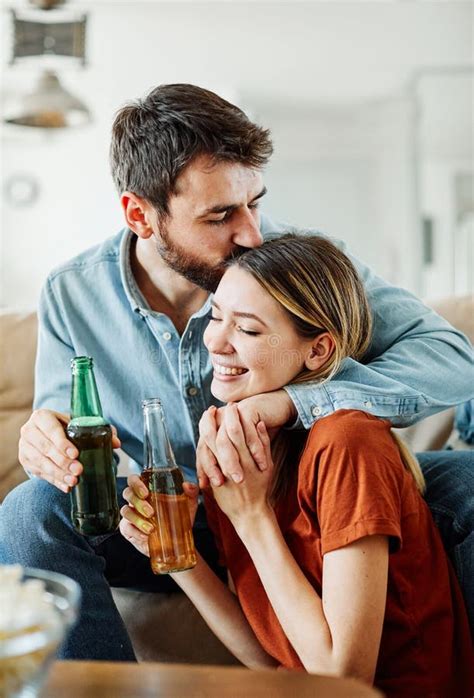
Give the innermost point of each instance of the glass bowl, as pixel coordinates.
(26, 654)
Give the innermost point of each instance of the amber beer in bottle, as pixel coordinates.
(94, 506)
(171, 543)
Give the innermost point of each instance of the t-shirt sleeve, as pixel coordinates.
(359, 481)
(212, 516)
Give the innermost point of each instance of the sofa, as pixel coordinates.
(187, 638)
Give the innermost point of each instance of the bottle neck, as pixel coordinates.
(157, 451)
(86, 409)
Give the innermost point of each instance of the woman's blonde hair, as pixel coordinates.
(319, 288)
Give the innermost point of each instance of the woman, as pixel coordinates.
(335, 560)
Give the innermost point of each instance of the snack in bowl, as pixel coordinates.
(36, 610)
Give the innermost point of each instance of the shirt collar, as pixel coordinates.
(134, 295)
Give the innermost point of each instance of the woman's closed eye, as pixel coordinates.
(251, 333)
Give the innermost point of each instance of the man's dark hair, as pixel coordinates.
(155, 138)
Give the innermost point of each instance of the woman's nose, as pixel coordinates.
(216, 338)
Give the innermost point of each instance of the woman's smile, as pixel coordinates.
(227, 372)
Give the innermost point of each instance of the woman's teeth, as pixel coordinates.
(225, 371)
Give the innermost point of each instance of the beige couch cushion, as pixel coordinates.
(17, 355)
(459, 311)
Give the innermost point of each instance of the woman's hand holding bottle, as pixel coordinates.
(137, 516)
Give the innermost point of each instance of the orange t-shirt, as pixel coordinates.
(352, 483)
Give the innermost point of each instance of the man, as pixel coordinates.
(188, 167)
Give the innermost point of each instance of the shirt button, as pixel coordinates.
(167, 336)
(316, 411)
(192, 391)
(368, 404)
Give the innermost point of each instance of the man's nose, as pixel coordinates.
(247, 230)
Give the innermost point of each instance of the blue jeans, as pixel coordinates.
(449, 494)
(36, 531)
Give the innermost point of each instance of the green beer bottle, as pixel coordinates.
(94, 506)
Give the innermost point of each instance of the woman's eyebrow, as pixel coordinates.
(222, 208)
(250, 316)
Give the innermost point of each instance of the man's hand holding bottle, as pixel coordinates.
(45, 452)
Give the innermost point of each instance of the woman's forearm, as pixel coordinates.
(221, 610)
(297, 605)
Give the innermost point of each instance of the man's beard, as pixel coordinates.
(198, 272)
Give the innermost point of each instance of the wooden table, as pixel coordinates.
(148, 680)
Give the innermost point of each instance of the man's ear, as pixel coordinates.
(320, 351)
(138, 213)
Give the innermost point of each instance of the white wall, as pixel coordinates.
(349, 171)
(446, 152)
(329, 78)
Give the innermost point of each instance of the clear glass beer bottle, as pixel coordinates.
(171, 542)
(94, 505)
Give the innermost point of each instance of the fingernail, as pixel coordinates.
(148, 528)
(70, 480)
(236, 477)
(142, 492)
(71, 452)
(148, 510)
(75, 468)
(215, 481)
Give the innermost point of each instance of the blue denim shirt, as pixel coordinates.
(417, 363)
